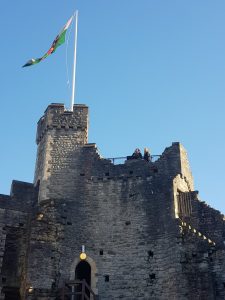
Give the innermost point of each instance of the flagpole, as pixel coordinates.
(74, 61)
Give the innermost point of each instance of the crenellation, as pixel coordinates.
(57, 118)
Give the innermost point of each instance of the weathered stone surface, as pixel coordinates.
(146, 233)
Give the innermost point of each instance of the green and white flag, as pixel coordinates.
(59, 40)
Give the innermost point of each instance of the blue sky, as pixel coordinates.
(152, 73)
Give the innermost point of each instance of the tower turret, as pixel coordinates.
(59, 134)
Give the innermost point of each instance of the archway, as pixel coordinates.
(94, 271)
(83, 271)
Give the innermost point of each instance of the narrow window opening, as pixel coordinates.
(101, 252)
(107, 174)
(131, 172)
(150, 253)
(82, 174)
(127, 222)
(3, 279)
(53, 285)
(131, 195)
(152, 276)
(106, 278)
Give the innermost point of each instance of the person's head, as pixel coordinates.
(137, 150)
(146, 150)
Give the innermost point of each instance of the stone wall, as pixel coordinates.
(138, 244)
(15, 213)
(209, 221)
(125, 217)
(121, 214)
(198, 260)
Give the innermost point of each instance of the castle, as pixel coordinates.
(91, 229)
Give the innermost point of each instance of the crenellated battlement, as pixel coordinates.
(57, 117)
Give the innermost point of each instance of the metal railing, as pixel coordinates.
(121, 160)
(77, 290)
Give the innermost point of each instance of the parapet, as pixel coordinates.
(23, 196)
(56, 116)
(174, 161)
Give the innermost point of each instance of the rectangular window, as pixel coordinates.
(184, 204)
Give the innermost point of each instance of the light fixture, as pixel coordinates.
(40, 216)
(30, 289)
(83, 255)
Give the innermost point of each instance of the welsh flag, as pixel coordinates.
(59, 40)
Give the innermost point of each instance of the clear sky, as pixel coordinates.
(151, 71)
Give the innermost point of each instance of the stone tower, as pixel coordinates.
(60, 136)
(140, 226)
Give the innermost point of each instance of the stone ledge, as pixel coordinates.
(89, 145)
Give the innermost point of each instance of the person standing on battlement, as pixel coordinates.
(137, 154)
(147, 155)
